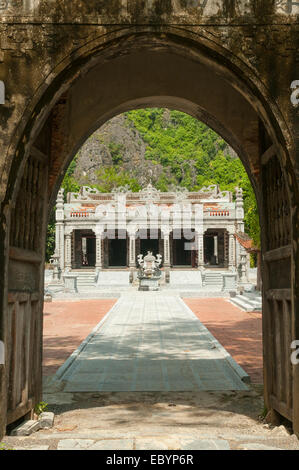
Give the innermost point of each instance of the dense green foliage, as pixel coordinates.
(190, 154)
(112, 176)
(195, 155)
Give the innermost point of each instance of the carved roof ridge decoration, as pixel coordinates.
(86, 192)
(181, 194)
(211, 191)
(121, 189)
(150, 193)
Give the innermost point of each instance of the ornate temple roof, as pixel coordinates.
(211, 194)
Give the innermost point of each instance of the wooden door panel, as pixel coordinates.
(277, 294)
(25, 290)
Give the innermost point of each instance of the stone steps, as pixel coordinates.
(85, 280)
(213, 279)
(247, 303)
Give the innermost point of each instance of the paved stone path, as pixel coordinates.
(151, 342)
(64, 441)
(239, 332)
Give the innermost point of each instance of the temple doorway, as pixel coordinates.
(216, 248)
(84, 242)
(181, 252)
(148, 240)
(117, 250)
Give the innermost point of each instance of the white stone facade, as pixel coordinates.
(192, 229)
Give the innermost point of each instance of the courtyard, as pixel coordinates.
(67, 324)
(173, 403)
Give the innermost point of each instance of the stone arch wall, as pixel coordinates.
(48, 114)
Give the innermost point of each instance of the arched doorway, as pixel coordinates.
(148, 69)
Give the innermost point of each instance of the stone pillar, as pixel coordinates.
(231, 252)
(166, 250)
(200, 249)
(61, 244)
(216, 249)
(132, 250)
(99, 251)
(59, 232)
(239, 209)
(243, 265)
(68, 251)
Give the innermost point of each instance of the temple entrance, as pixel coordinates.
(216, 248)
(84, 249)
(90, 242)
(182, 255)
(117, 249)
(147, 241)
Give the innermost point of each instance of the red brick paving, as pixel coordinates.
(239, 332)
(66, 325)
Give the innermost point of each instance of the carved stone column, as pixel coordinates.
(166, 250)
(61, 246)
(68, 251)
(59, 232)
(232, 252)
(98, 251)
(200, 249)
(132, 250)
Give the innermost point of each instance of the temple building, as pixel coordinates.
(199, 230)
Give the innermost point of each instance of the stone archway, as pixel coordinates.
(130, 70)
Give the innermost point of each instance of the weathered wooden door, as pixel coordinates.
(25, 286)
(277, 297)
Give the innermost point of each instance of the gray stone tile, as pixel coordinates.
(157, 444)
(113, 444)
(151, 343)
(204, 444)
(75, 444)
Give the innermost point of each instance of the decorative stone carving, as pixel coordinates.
(149, 272)
(121, 189)
(295, 93)
(211, 190)
(287, 7)
(150, 194)
(86, 191)
(181, 195)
